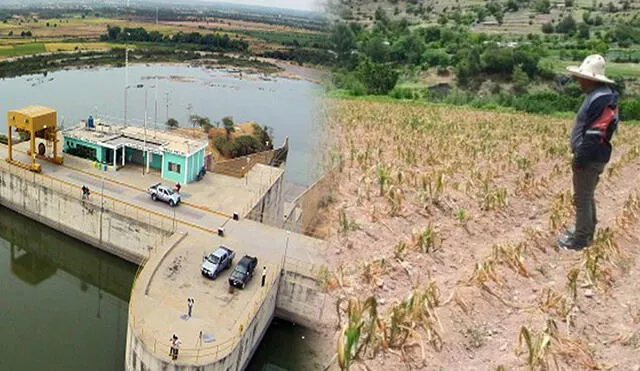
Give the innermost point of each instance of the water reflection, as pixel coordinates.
(63, 304)
(29, 267)
(37, 252)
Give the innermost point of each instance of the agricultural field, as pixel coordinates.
(442, 230)
(76, 29)
(613, 69)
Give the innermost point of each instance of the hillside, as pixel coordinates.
(442, 230)
(518, 16)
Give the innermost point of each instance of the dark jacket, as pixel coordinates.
(588, 144)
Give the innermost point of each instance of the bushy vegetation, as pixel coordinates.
(231, 146)
(489, 70)
(213, 41)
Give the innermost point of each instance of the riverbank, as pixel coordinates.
(45, 63)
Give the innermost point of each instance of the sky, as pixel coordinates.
(292, 4)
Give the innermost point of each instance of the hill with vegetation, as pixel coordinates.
(461, 53)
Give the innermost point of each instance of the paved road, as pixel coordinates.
(247, 236)
(183, 212)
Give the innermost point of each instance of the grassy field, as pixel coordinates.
(85, 32)
(442, 232)
(613, 69)
(22, 49)
(18, 50)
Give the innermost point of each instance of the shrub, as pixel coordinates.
(630, 109)
(379, 79)
(246, 145)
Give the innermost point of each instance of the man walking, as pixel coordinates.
(264, 275)
(596, 121)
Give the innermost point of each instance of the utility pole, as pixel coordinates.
(155, 119)
(167, 100)
(145, 133)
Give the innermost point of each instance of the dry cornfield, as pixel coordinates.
(444, 222)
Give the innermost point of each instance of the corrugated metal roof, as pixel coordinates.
(35, 111)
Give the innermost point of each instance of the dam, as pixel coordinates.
(168, 244)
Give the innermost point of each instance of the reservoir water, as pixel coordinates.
(288, 106)
(63, 304)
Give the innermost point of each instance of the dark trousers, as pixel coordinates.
(264, 277)
(585, 181)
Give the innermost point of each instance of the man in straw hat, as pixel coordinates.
(596, 121)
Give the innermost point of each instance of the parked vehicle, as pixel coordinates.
(201, 173)
(243, 272)
(217, 261)
(164, 193)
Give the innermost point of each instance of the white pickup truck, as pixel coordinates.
(217, 261)
(164, 193)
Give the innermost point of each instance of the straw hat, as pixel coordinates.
(592, 68)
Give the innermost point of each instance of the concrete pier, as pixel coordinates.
(169, 244)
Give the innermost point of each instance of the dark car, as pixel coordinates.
(243, 272)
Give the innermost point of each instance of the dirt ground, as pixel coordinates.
(245, 128)
(444, 222)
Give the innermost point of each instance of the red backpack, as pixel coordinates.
(605, 125)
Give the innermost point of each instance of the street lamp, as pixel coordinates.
(146, 91)
(286, 246)
(126, 89)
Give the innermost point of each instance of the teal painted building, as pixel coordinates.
(176, 158)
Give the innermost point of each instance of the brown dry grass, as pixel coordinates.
(470, 202)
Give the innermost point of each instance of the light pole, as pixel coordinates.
(146, 90)
(286, 246)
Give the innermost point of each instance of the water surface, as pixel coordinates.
(288, 106)
(63, 304)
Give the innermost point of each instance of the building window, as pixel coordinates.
(174, 167)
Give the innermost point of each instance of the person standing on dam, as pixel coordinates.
(264, 275)
(190, 302)
(596, 122)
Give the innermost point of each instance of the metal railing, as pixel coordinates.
(101, 200)
(204, 353)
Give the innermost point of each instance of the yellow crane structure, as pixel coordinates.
(39, 122)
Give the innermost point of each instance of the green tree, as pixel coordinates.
(172, 123)
(586, 17)
(245, 145)
(481, 13)
(264, 135)
(541, 6)
(409, 49)
(583, 31)
(378, 78)
(343, 40)
(519, 79)
(113, 32)
(228, 124)
(512, 6)
(378, 49)
(495, 9)
(598, 20)
(567, 25)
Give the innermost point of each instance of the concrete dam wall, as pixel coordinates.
(97, 221)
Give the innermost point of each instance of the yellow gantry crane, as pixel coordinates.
(38, 122)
